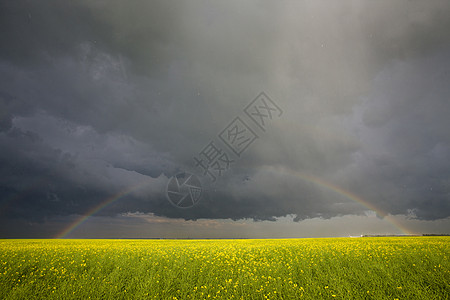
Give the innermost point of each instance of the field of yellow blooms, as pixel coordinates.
(338, 268)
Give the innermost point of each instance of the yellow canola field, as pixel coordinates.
(335, 268)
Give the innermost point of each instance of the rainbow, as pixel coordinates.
(122, 193)
(277, 169)
(336, 189)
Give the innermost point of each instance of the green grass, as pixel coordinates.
(339, 268)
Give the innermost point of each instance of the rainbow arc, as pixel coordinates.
(277, 169)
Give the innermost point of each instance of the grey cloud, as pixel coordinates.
(405, 140)
(96, 96)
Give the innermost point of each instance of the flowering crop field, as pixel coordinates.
(335, 268)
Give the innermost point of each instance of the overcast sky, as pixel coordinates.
(105, 98)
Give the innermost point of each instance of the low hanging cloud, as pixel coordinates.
(97, 98)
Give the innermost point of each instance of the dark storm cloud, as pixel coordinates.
(405, 137)
(96, 97)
